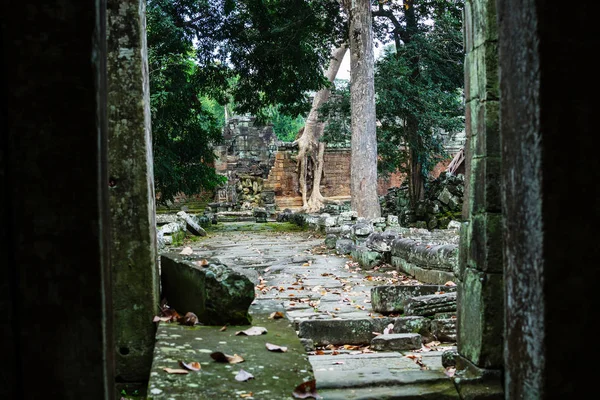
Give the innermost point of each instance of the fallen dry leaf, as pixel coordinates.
(450, 371)
(226, 358)
(254, 331)
(202, 263)
(306, 390)
(175, 371)
(193, 366)
(274, 347)
(246, 395)
(243, 376)
(189, 319)
(186, 251)
(277, 315)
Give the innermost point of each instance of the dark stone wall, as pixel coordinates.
(550, 196)
(54, 286)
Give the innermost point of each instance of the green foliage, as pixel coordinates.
(418, 80)
(206, 54)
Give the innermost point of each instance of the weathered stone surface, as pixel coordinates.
(433, 256)
(427, 275)
(381, 241)
(449, 358)
(478, 301)
(359, 331)
(366, 257)
(260, 214)
(397, 342)
(276, 374)
(444, 329)
(344, 246)
(191, 225)
(390, 298)
(430, 304)
(330, 241)
(474, 383)
(133, 250)
(362, 229)
(216, 294)
(387, 375)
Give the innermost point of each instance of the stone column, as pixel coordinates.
(480, 294)
(55, 292)
(131, 188)
(551, 197)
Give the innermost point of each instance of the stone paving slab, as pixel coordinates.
(275, 374)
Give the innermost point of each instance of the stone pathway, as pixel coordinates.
(327, 300)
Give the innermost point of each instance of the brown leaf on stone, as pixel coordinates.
(186, 251)
(193, 366)
(226, 358)
(274, 347)
(175, 371)
(254, 331)
(244, 395)
(202, 263)
(277, 314)
(306, 390)
(189, 319)
(243, 376)
(351, 347)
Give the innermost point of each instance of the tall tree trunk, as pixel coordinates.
(363, 170)
(310, 150)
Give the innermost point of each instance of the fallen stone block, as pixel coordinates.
(330, 240)
(430, 305)
(397, 342)
(192, 226)
(359, 330)
(390, 298)
(344, 246)
(366, 257)
(444, 329)
(381, 241)
(217, 294)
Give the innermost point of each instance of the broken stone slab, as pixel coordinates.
(432, 256)
(381, 241)
(444, 329)
(397, 342)
(330, 240)
(430, 304)
(260, 214)
(217, 294)
(366, 257)
(390, 298)
(362, 229)
(172, 227)
(344, 246)
(192, 226)
(426, 275)
(378, 376)
(359, 330)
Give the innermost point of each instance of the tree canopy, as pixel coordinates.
(252, 53)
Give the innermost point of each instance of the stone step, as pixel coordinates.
(389, 375)
(397, 342)
(390, 298)
(430, 305)
(359, 331)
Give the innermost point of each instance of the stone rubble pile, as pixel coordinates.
(442, 203)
